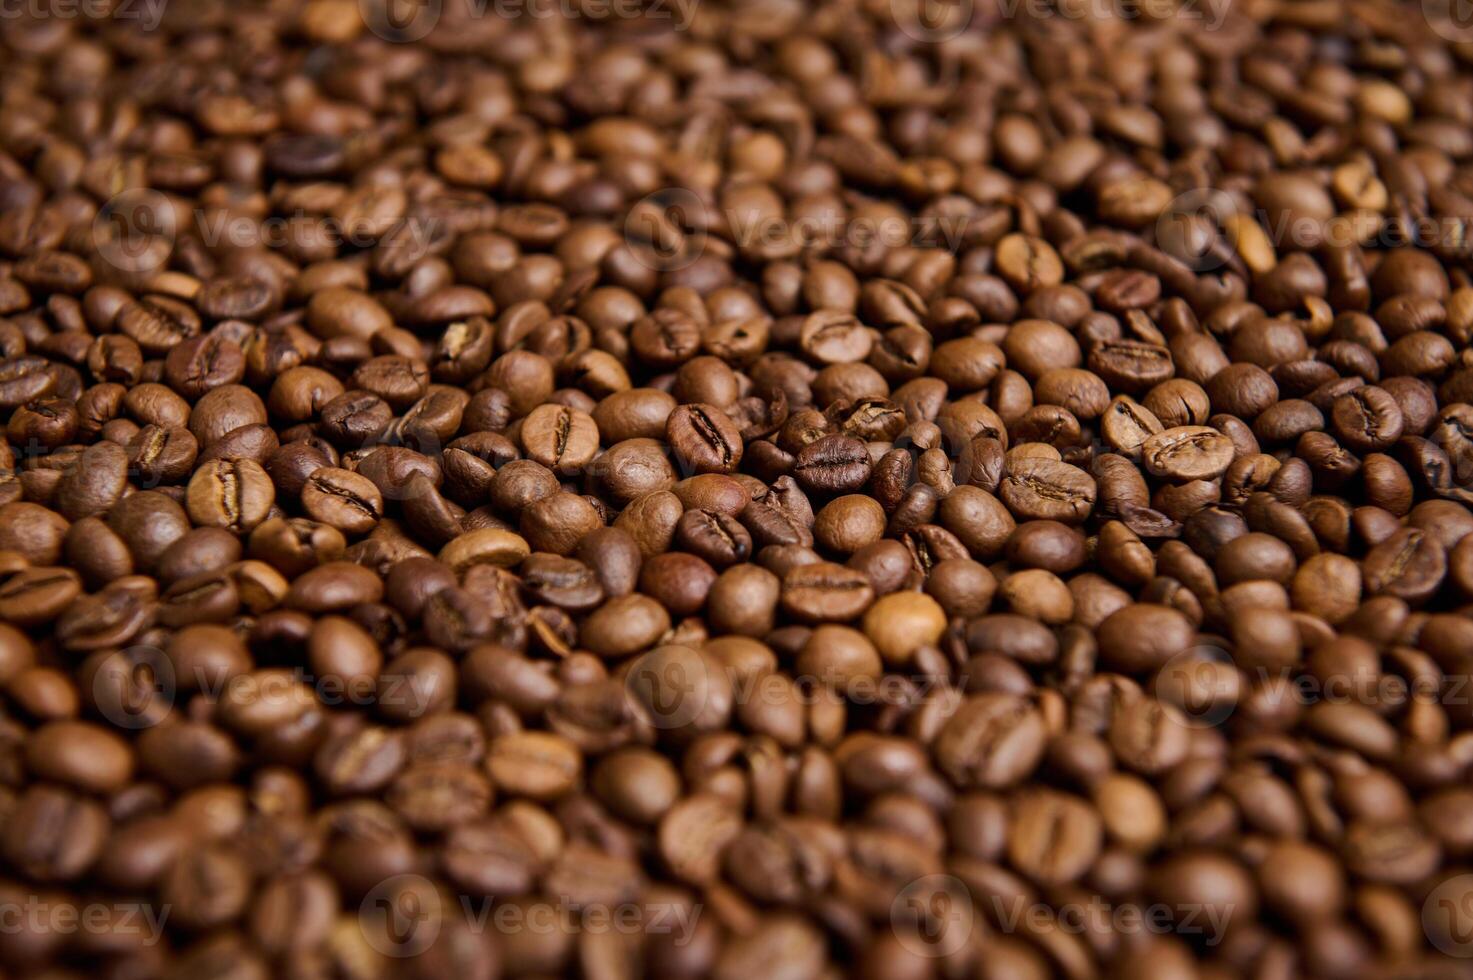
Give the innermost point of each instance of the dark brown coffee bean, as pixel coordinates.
(1187, 452)
(704, 439)
(343, 500)
(1043, 489)
(833, 464)
(1409, 565)
(53, 834)
(992, 741)
(718, 538)
(563, 439)
(235, 495)
(825, 592)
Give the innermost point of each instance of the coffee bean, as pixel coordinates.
(33, 596)
(343, 500)
(537, 765)
(833, 464)
(562, 439)
(692, 834)
(704, 439)
(992, 741)
(874, 496)
(718, 538)
(1054, 837)
(1409, 564)
(826, 592)
(1187, 452)
(1043, 489)
(231, 494)
(53, 834)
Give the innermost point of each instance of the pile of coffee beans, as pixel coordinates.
(767, 490)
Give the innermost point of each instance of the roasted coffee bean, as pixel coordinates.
(563, 439)
(833, 464)
(704, 439)
(718, 538)
(562, 582)
(53, 834)
(825, 592)
(231, 494)
(1187, 452)
(342, 499)
(992, 741)
(161, 455)
(1042, 489)
(560, 482)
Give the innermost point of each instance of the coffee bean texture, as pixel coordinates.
(736, 489)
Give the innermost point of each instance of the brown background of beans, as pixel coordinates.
(858, 490)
